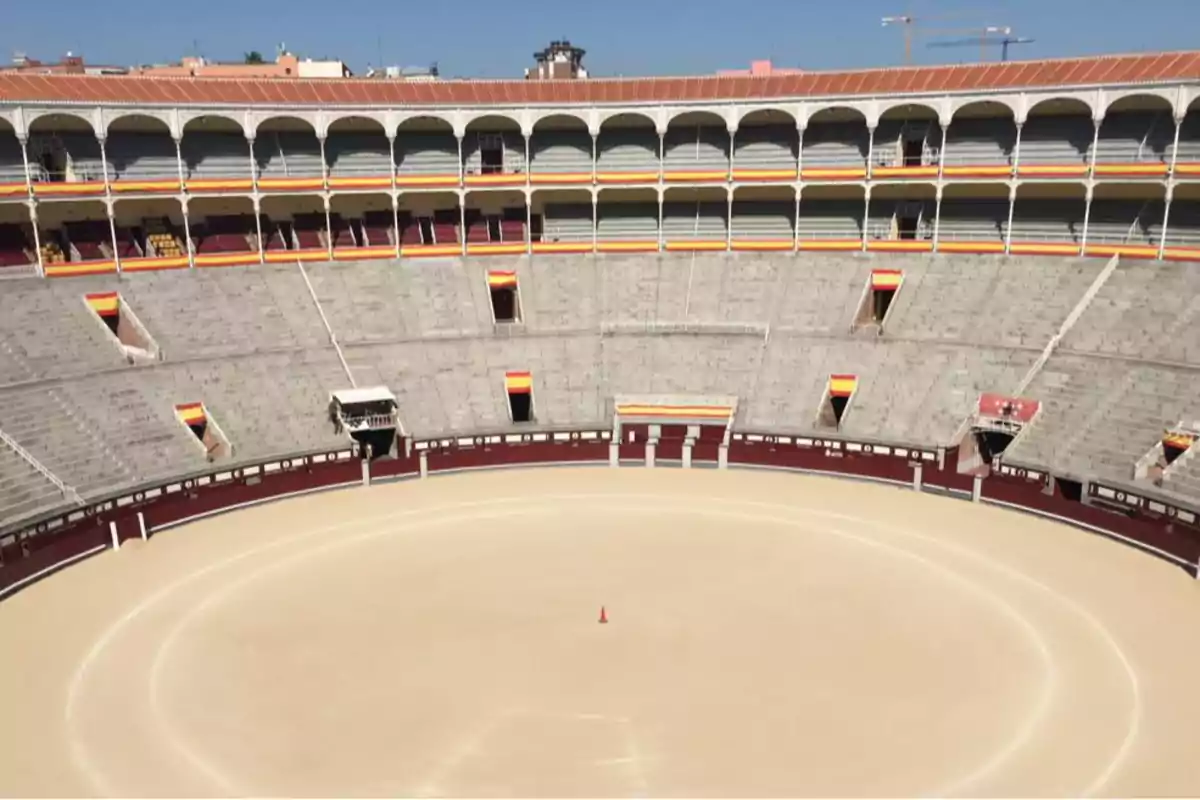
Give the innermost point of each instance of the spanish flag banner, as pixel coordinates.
(675, 412)
(106, 304)
(502, 279)
(1180, 441)
(518, 382)
(842, 385)
(886, 279)
(191, 413)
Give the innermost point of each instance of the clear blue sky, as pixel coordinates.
(495, 38)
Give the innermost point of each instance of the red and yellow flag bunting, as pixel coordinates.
(842, 385)
(518, 382)
(692, 412)
(106, 304)
(886, 278)
(191, 413)
(502, 279)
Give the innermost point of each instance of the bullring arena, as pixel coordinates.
(822, 434)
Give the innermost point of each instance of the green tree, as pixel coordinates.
(254, 57)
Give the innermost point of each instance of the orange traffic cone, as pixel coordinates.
(603, 616)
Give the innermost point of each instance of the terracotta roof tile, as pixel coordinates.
(90, 89)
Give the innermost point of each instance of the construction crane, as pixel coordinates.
(912, 24)
(985, 40)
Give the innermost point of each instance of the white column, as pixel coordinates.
(866, 231)
(595, 219)
(650, 447)
(24, 142)
(870, 151)
(423, 461)
(1087, 215)
(729, 218)
(324, 163)
(112, 532)
(258, 227)
(942, 152)
(1099, 120)
(732, 138)
(142, 526)
(937, 217)
(328, 227)
(112, 230)
(37, 237)
(528, 222)
(528, 160)
(918, 477)
(1175, 147)
(976, 489)
(1162, 239)
(661, 237)
(595, 156)
(796, 221)
(366, 472)
(396, 218)
(723, 457)
(614, 454)
(461, 165)
(392, 161)
(179, 161)
(687, 454)
(462, 219)
(253, 165)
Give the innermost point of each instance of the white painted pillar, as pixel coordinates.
(142, 526)
(687, 454)
(423, 459)
(650, 448)
(112, 532)
(187, 232)
(262, 245)
(366, 472)
(976, 488)
(918, 477)
(723, 457)
(1162, 239)
(1087, 217)
(614, 454)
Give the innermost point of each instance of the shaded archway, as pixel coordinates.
(561, 216)
(17, 248)
(628, 146)
(908, 135)
(64, 148)
(695, 214)
(765, 141)
(627, 215)
(1183, 222)
(429, 219)
(982, 133)
(836, 137)
(362, 220)
(831, 213)
(357, 147)
(1126, 214)
(763, 214)
(1057, 131)
(12, 160)
(696, 146)
(1138, 128)
(495, 217)
(294, 222)
(974, 212)
(1049, 213)
(223, 225)
(287, 147)
(140, 148)
(215, 147)
(561, 145)
(902, 212)
(426, 148)
(493, 145)
(74, 231)
(155, 228)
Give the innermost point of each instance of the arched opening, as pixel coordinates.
(12, 161)
(835, 139)
(832, 213)
(1187, 157)
(902, 213)
(627, 215)
(695, 215)
(222, 225)
(908, 136)
(561, 145)
(362, 221)
(1127, 214)
(561, 216)
(495, 217)
(1058, 131)
(140, 148)
(1049, 213)
(1183, 224)
(215, 147)
(153, 227)
(493, 145)
(429, 219)
(626, 149)
(696, 147)
(357, 147)
(974, 212)
(287, 147)
(64, 148)
(293, 223)
(981, 134)
(765, 146)
(1137, 129)
(763, 214)
(426, 152)
(17, 248)
(75, 231)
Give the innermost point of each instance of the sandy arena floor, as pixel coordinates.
(769, 634)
